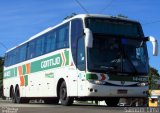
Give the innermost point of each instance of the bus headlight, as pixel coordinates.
(98, 82)
(142, 84)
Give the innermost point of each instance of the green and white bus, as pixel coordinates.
(86, 57)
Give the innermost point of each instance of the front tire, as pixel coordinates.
(65, 100)
(112, 102)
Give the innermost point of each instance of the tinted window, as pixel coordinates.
(31, 50)
(11, 57)
(113, 27)
(22, 53)
(6, 60)
(53, 40)
(50, 41)
(81, 54)
(63, 36)
(16, 56)
(40, 46)
(76, 32)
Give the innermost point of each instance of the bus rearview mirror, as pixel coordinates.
(154, 44)
(88, 38)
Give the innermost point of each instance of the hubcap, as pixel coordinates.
(63, 93)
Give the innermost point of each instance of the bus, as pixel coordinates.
(85, 57)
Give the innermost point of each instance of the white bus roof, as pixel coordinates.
(67, 20)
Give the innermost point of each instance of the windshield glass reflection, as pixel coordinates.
(112, 54)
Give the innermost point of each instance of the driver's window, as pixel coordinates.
(140, 54)
(81, 54)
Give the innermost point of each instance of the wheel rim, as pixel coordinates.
(13, 96)
(63, 94)
(65, 100)
(17, 96)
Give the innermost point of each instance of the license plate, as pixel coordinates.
(121, 91)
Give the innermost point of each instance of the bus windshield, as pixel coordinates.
(124, 53)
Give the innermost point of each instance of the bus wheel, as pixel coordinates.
(20, 99)
(13, 98)
(65, 100)
(17, 95)
(112, 102)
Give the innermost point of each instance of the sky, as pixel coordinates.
(21, 19)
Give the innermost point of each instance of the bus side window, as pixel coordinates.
(53, 40)
(63, 36)
(31, 50)
(13, 56)
(50, 42)
(9, 56)
(66, 40)
(16, 56)
(22, 53)
(39, 46)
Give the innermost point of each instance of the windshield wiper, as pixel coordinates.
(108, 69)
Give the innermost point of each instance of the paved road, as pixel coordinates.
(8, 107)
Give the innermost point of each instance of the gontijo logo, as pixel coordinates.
(50, 62)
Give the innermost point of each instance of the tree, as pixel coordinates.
(153, 77)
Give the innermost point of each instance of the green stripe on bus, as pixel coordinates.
(23, 69)
(26, 80)
(90, 76)
(10, 73)
(46, 63)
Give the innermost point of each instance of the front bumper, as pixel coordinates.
(94, 90)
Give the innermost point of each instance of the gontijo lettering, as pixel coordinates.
(50, 62)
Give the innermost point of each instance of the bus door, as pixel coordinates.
(81, 65)
(78, 52)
